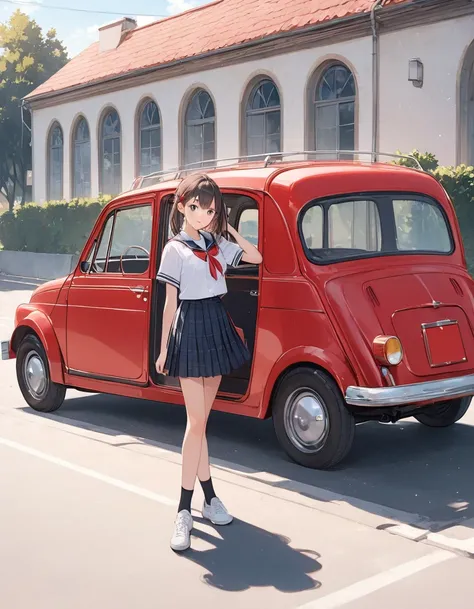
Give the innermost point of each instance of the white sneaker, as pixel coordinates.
(216, 512)
(183, 526)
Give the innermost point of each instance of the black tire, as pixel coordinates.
(322, 397)
(444, 414)
(31, 355)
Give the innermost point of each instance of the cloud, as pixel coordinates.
(179, 6)
(92, 30)
(173, 7)
(86, 34)
(81, 37)
(145, 20)
(26, 6)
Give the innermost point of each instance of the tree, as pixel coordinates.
(29, 59)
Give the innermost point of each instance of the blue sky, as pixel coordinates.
(78, 30)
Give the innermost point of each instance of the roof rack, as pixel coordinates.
(266, 160)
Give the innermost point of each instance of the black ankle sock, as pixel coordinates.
(208, 489)
(185, 501)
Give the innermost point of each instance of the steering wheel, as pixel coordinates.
(132, 247)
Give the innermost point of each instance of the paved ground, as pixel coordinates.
(88, 500)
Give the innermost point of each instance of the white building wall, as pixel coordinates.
(409, 117)
(423, 118)
(226, 85)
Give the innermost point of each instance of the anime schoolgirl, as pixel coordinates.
(199, 341)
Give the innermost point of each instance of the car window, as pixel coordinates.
(101, 256)
(354, 225)
(129, 239)
(132, 229)
(313, 227)
(248, 225)
(339, 229)
(420, 226)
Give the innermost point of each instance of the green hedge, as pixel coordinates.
(59, 227)
(459, 184)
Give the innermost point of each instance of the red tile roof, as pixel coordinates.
(218, 25)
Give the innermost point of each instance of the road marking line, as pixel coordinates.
(7, 276)
(25, 283)
(377, 582)
(131, 488)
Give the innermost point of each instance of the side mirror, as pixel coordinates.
(85, 266)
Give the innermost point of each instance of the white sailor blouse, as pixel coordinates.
(197, 272)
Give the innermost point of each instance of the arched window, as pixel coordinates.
(466, 109)
(200, 123)
(82, 160)
(334, 111)
(470, 118)
(55, 169)
(263, 119)
(150, 139)
(111, 164)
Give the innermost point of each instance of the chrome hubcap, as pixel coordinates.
(306, 420)
(35, 375)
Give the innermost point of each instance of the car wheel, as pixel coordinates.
(444, 414)
(32, 370)
(311, 419)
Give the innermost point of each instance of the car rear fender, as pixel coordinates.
(38, 323)
(337, 367)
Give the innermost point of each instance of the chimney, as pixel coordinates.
(111, 34)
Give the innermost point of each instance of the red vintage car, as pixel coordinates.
(362, 310)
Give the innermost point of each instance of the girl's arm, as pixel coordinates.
(169, 311)
(251, 253)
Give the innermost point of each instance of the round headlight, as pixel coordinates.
(388, 350)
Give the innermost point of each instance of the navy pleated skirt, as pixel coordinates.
(203, 341)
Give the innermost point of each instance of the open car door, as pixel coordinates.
(244, 212)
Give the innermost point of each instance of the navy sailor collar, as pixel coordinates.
(184, 238)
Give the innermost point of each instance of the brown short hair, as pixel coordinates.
(205, 190)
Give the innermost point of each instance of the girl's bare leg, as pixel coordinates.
(193, 392)
(199, 395)
(194, 398)
(211, 386)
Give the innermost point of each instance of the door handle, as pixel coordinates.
(253, 292)
(138, 290)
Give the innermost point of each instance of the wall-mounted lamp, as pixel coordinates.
(415, 72)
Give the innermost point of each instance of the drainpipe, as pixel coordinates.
(24, 125)
(375, 78)
(24, 106)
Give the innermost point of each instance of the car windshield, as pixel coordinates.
(333, 230)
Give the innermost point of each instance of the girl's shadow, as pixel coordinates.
(246, 556)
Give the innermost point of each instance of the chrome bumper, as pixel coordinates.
(445, 389)
(5, 349)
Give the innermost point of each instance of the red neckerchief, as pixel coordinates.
(209, 255)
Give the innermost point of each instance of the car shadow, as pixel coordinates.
(244, 556)
(405, 467)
